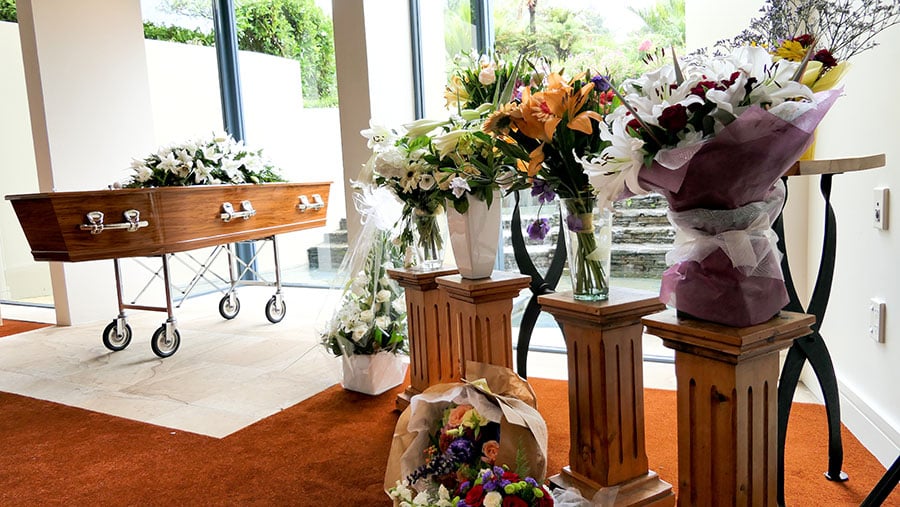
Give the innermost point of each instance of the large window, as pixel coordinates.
(288, 103)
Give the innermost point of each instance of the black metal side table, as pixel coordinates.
(812, 347)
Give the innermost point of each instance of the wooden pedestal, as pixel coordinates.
(433, 355)
(606, 397)
(727, 414)
(480, 316)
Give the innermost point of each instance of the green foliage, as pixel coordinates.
(295, 29)
(177, 34)
(8, 10)
(665, 20)
(580, 40)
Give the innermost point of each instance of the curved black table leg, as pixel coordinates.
(812, 348)
(787, 385)
(540, 285)
(818, 356)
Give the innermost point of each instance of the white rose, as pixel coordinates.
(399, 305)
(383, 322)
(360, 331)
(367, 315)
(383, 296)
(487, 76)
(493, 499)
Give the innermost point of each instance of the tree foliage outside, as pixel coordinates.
(8, 10)
(579, 39)
(177, 34)
(295, 29)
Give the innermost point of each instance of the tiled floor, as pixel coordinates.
(226, 375)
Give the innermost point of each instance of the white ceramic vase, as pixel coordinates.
(373, 374)
(475, 236)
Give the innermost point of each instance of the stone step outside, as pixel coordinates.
(642, 202)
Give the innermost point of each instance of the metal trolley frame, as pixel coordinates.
(166, 339)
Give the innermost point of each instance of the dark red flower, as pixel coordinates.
(514, 501)
(546, 500)
(475, 496)
(511, 476)
(805, 40)
(828, 60)
(634, 124)
(673, 118)
(702, 87)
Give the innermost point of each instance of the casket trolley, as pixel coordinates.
(159, 222)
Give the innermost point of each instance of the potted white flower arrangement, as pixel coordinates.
(368, 329)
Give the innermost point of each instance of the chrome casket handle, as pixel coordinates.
(132, 222)
(228, 211)
(317, 203)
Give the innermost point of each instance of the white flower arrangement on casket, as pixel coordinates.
(214, 160)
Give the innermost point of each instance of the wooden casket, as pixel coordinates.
(107, 224)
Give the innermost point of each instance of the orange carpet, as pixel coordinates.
(329, 450)
(11, 327)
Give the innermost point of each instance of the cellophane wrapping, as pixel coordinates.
(497, 393)
(723, 196)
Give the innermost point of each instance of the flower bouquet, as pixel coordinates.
(214, 160)
(472, 169)
(455, 443)
(400, 162)
(714, 135)
(822, 35)
(547, 131)
(368, 330)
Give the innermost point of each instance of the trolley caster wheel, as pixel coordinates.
(163, 347)
(228, 310)
(115, 341)
(274, 311)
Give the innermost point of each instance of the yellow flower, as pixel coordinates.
(791, 50)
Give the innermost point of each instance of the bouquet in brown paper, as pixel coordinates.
(714, 135)
(470, 443)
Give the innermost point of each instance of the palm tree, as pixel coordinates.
(666, 19)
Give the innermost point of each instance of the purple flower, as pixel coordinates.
(538, 229)
(601, 82)
(462, 503)
(574, 223)
(541, 190)
(531, 482)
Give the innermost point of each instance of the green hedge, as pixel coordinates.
(295, 29)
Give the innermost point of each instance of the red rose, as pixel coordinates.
(475, 496)
(510, 476)
(514, 501)
(673, 118)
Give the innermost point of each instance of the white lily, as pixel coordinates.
(379, 137)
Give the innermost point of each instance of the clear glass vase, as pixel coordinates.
(428, 240)
(588, 245)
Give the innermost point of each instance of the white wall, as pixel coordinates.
(374, 69)
(22, 278)
(861, 123)
(86, 76)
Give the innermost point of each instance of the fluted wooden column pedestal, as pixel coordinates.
(480, 316)
(433, 355)
(606, 397)
(727, 412)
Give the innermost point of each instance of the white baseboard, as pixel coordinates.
(873, 432)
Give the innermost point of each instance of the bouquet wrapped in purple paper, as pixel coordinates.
(714, 135)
